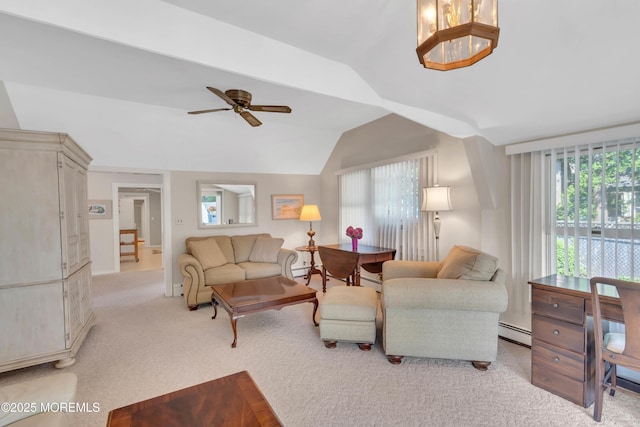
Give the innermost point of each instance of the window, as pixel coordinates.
(595, 204)
(384, 200)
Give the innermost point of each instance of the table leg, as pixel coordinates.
(312, 270)
(315, 309)
(356, 278)
(214, 303)
(234, 320)
(324, 280)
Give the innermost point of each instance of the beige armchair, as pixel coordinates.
(445, 310)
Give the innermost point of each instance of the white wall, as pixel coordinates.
(127, 214)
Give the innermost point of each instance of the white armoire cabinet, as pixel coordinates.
(46, 307)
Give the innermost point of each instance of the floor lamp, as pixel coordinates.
(436, 199)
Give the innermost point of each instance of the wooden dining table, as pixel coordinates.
(370, 258)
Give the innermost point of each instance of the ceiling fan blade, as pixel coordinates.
(250, 118)
(270, 108)
(209, 111)
(222, 95)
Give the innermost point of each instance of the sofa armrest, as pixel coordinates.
(445, 294)
(286, 258)
(193, 277)
(397, 269)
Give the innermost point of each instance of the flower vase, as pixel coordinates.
(354, 245)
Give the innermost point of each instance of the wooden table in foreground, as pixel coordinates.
(562, 341)
(370, 258)
(231, 401)
(252, 296)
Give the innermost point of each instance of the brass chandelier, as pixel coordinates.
(456, 33)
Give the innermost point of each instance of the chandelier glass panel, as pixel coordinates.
(456, 33)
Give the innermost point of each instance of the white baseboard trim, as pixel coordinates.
(514, 333)
(100, 273)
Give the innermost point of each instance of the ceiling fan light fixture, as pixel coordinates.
(240, 102)
(456, 33)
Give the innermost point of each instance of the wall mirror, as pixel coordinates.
(228, 204)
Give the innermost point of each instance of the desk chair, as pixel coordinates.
(341, 265)
(615, 349)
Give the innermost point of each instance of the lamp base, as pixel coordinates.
(311, 233)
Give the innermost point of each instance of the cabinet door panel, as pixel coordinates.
(32, 318)
(78, 307)
(29, 217)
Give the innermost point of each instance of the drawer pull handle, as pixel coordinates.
(555, 305)
(556, 332)
(556, 359)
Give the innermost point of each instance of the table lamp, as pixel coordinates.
(436, 199)
(310, 213)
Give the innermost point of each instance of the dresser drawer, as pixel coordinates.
(557, 333)
(559, 385)
(558, 360)
(558, 306)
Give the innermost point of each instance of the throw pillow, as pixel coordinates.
(266, 249)
(207, 252)
(464, 262)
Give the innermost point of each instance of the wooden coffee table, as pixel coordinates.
(252, 296)
(234, 400)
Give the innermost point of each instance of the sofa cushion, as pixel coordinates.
(208, 253)
(226, 247)
(266, 249)
(242, 246)
(464, 262)
(227, 273)
(260, 270)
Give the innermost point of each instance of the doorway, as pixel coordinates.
(140, 209)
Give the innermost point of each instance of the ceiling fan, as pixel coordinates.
(240, 102)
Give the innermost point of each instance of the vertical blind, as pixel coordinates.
(592, 196)
(385, 202)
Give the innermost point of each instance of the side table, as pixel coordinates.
(312, 270)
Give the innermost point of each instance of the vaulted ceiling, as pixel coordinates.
(119, 76)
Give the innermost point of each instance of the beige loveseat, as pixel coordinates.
(215, 260)
(444, 310)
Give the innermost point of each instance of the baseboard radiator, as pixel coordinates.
(514, 333)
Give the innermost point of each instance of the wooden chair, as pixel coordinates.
(341, 265)
(613, 348)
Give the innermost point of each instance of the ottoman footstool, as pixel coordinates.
(348, 313)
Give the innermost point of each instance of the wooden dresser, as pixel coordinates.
(562, 345)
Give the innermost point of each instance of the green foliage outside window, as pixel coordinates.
(621, 173)
(567, 266)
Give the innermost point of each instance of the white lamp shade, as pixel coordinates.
(436, 199)
(310, 213)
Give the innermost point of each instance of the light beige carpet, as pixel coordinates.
(145, 344)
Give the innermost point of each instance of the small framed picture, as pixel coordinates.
(286, 206)
(100, 209)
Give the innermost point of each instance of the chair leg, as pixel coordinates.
(614, 380)
(597, 406)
